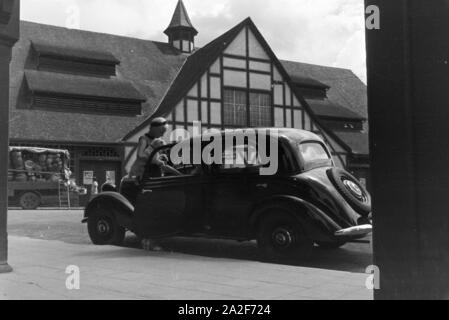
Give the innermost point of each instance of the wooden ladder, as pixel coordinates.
(63, 195)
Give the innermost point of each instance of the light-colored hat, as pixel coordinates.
(158, 122)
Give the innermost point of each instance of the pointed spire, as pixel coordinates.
(180, 19)
(181, 33)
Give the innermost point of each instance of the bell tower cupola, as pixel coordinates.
(181, 33)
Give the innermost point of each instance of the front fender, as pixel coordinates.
(114, 202)
(312, 212)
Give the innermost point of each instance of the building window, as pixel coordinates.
(78, 61)
(236, 112)
(177, 44)
(235, 108)
(260, 110)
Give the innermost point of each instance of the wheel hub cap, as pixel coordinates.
(282, 237)
(354, 189)
(103, 227)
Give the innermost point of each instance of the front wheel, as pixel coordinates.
(280, 236)
(103, 228)
(30, 201)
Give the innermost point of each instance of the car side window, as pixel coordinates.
(239, 158)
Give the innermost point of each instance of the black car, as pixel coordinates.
(307, 201)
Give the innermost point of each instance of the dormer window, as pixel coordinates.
(75, 61)
(78, 94)
(349, 126)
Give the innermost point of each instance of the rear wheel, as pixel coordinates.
(280, 236)
(103, 228)
(30, 201)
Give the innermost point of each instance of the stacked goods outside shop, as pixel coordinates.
(38, 176)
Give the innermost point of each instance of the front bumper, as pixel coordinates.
(361, 230)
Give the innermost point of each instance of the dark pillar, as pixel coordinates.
(9, 34)
(408, 79)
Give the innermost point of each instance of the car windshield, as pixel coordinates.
(313, 152)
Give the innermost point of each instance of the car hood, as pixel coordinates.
(325, 196)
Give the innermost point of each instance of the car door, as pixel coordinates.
(227, 198)
(170, 205)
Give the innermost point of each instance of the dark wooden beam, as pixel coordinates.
(408, 75)
(9, 34)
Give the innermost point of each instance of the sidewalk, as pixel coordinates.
(124, 273)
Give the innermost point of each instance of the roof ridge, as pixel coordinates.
(92, 32)
(315, 65)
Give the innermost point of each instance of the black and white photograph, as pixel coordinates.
(229, 150)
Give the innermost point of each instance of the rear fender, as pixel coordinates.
(317, 224)
(113, 202)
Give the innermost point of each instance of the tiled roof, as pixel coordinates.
(146, 70)
(346, 88)
(358, 142)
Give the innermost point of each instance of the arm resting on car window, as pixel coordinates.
(171, 170)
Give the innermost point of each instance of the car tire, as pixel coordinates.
(330, 245)
(280, 236)
(30, 201)
(103, 228)
(107, 187)
(351, 189)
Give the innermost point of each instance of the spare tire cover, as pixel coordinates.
(350, 188)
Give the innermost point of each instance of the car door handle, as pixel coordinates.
(262, 186)
(147, 191)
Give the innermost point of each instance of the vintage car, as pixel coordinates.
(307, 201)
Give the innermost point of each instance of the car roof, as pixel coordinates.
(292, 135)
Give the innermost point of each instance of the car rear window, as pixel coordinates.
(313, 152)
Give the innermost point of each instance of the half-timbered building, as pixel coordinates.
(95, 94)
(237, 81)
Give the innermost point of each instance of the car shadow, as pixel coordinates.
(353, 257)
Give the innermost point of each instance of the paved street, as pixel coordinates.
(44, 242)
